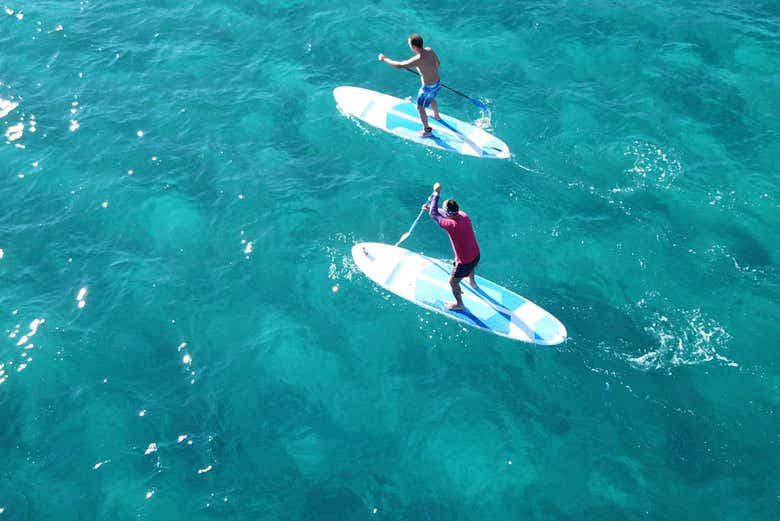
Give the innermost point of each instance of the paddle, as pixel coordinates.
(481, 106)
(407, 234)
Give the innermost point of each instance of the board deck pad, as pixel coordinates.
(425, 282)
(400, 117)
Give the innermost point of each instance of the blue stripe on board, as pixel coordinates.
(509, 299)
(498, 149)
(466, 314)
(433, 289)
(487, 297)
(396, 269)
(439, 141)
(502, 311)
(393, 121)
(365, 110)
(546, 328)
(463, 137)
(472, 317)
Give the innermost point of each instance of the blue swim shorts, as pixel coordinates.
(427, 93)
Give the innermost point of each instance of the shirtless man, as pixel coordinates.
(458, 226)
(427, 64)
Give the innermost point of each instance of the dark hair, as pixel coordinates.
(451, 206)
(416, 40)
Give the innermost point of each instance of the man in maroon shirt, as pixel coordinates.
(458, 226)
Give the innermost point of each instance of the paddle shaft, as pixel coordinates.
(419, 215)
(475, 102)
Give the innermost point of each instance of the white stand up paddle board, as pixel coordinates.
(400, 117)
(425, 282)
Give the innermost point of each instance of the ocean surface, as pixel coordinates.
(183, 333)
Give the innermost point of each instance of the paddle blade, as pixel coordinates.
(403, 238)
(481, 106)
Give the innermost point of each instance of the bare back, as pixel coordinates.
(428, 66)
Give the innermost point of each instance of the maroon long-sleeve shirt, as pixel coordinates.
(460, 230)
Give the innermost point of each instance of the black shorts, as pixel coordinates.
(460, 271)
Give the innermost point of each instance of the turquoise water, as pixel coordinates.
(186, 337)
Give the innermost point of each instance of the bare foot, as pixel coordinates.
(454, 306)
(437, 117)
(473, 284)
(428, 132)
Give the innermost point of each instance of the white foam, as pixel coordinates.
(685, 337)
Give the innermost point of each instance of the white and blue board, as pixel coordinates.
(400, 117)
(425, 282)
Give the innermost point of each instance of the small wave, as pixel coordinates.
(484, 121)
(518, 164)
(653, 167)
(340, 264)
(684, 337)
